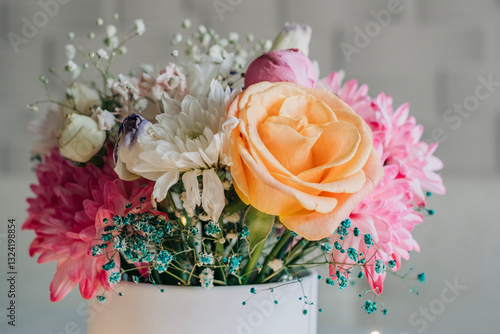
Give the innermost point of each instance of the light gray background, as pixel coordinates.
(431, 55)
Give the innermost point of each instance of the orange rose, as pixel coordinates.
(301, 154)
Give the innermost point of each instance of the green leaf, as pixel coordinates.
(259, 226)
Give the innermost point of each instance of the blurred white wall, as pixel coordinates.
(431, 53)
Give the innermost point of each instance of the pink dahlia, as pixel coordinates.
(387, 215)
(63, 215)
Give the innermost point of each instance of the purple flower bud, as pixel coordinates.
(132, 127)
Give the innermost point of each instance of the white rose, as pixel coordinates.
(80, 138)
(293, 36)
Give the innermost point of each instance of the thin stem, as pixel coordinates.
(283, 240)
(252, 261)
(156, 276)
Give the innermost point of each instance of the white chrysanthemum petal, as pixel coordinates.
(193, 197)
(213, 199)
(206, 158)
(163, 184)
(195, 157)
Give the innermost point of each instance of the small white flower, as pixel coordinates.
(73, 69)
(233, 235)
(70, 51)
(141, 104)
(202, 29)
(110, 30)
(275, 264)
(101, 53)
(207, 278)
(176, 39)
(140, 27)
(113, 42)
(71, 66)
(233, 37)
(223, 42)
(215, 53)
(105, 119)
(33, 107)
(226, 185)
(267, 45)
(206, 40)
(147, 68)
(186, 24)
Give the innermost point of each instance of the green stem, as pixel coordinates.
(298, 247)
(156, 277)
(283, 240)
(219, 250)
(303, 254)
(252, 261)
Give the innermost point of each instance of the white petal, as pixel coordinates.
(163, 184)
(213, 194)
(193, 197)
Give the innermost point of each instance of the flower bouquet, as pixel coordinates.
(231, 165)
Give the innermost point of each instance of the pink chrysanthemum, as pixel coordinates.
(402, 147)
(388, 217)
(63, 216)
(387, 214)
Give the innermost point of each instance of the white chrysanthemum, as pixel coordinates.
(190, 138)
(200, 74)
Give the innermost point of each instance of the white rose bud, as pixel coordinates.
(84, 97)
(80, 138)
(293, 36)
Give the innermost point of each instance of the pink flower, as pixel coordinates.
(401, 141)
(146, 84)
(396, 136)
(387, 214)
(282, 66)
(172, 81)
(126, 87)
(63, 215)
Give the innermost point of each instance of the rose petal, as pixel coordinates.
(316, 226)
